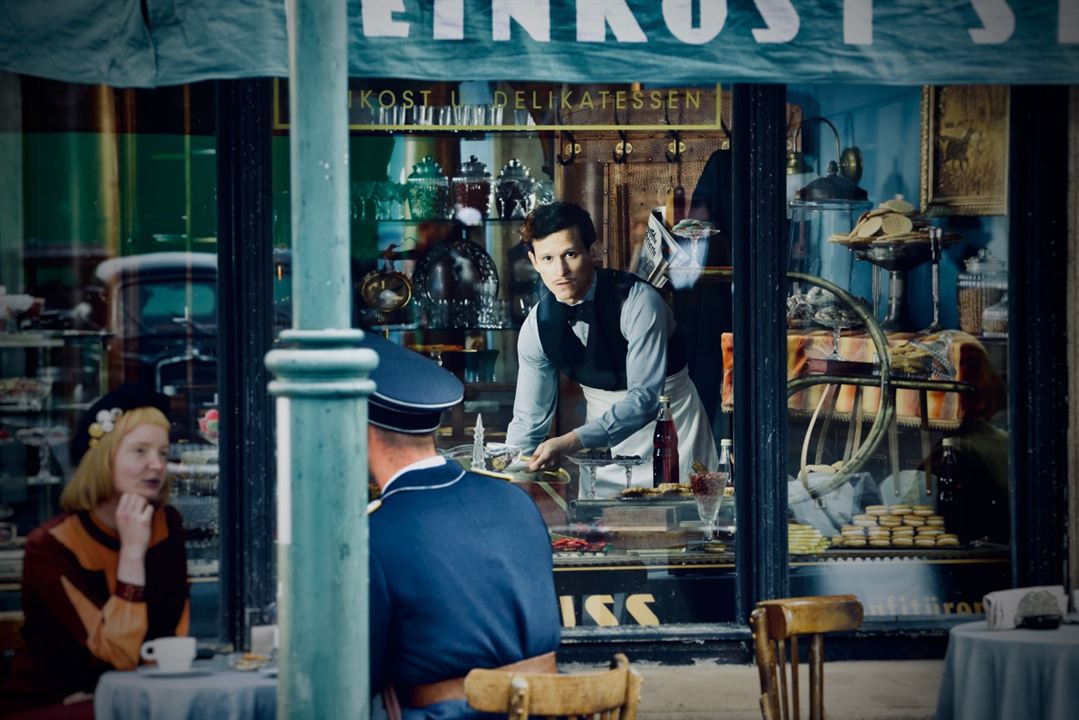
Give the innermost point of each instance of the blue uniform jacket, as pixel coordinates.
(461, 577)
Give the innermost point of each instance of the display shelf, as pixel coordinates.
(435, 221)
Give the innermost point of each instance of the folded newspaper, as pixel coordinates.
(659, 252)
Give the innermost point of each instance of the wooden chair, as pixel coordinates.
(610, 695)
(774, 622)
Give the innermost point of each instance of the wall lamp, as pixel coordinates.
(841, 180)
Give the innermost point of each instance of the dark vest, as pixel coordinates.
(602, 363)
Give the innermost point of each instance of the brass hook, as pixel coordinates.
(675, 147)
(622, 148)
(570, 147)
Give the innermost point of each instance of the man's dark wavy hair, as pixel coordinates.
(548, 219)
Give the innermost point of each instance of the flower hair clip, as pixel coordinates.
(104, 422)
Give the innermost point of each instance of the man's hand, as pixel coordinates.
(550, 452)
(133, 516)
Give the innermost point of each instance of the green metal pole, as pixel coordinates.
(321, 384)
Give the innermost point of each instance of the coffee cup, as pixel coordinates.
(172, 654)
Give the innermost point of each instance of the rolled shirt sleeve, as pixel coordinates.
(537, 387)
(646, 323)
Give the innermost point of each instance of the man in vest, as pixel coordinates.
(460, 563)
(614, 335)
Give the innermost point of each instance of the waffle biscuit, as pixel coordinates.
(876, 509)
(880, 543)
(878, 531)
(925, 542)
(856, 533)
(903, 530)
(913, 520)
(890, 520)
(854, 519)
(849, 527)
(922, 511)
(921, 508)
(901, 510)
(866, 523)
(894, 224)
(854, 543)
(837, 541)
(903, 541)
(935, 521)
(947, 542)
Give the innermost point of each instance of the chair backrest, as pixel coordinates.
(773, 623)
(609, 695)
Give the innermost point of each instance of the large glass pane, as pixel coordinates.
(898, 491)
(626, 554)
(109, 227)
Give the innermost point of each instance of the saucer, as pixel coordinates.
(162, 673)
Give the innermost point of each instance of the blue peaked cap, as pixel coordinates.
(411, 391)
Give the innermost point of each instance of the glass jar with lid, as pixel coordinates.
(472, 186)
(428, 190)
(995, 319)
(981, 284)
(513, 190)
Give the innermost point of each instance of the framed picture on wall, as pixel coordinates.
(965, 150)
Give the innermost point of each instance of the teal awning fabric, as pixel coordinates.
(654, 41)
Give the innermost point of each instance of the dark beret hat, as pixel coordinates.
(411, 391)
(125, 397)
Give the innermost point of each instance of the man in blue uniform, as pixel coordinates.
(460, 563)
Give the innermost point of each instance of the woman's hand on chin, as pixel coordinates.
(133, 521)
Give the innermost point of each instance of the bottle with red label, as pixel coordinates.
(665, 446)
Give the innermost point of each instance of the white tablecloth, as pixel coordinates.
(1010, 674)
(215, 691)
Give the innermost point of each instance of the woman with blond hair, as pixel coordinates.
(110, 571)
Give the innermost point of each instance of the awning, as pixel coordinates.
(910, 42)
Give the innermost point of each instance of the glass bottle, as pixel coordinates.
(949, 486)
(665, 446)
(726, 464)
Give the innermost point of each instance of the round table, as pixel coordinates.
(1010, 673)
(211, 690)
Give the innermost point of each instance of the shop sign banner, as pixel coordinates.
(610, 41)
(683, 41)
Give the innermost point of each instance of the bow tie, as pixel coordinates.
(581, 312)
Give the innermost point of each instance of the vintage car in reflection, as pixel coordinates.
(162, 313)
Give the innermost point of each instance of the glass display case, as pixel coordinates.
(47, 378)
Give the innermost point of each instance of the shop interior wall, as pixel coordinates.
(885, 123)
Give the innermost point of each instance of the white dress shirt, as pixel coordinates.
(646, 322)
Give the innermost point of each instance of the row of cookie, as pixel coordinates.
(805, 539)
(896, 541)
(893, 521)
(900, 509)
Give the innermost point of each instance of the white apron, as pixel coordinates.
(695, 440)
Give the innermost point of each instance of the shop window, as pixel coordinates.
(907, 506)
(110, 224)
(639, 159)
